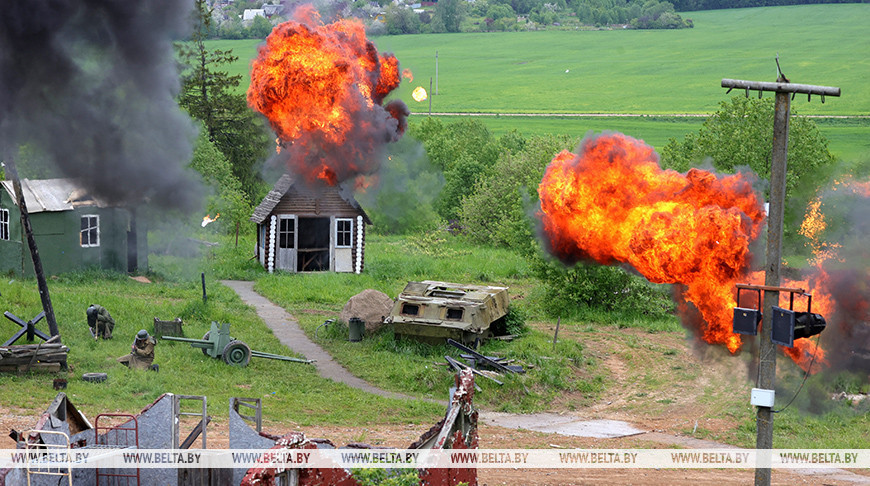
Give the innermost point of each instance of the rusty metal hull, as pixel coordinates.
(432, 311)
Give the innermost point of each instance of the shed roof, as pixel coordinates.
(280, 189)
(45, 195)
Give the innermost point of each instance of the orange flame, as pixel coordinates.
(321, 88)
(407, 74)
(842, 316)
(613, 203)
(208, 219)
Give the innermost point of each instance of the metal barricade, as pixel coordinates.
(122, 432)
(37, 451)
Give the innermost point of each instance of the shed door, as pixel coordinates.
(286, 257)
(343, 244)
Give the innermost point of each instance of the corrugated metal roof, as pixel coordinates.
(51, 195)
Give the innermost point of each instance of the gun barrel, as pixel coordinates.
(183, 340)
(260, 354)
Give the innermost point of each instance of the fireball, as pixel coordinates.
(419, 94)
(612, 203)
(322, 86)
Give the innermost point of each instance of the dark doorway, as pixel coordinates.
(313, 248)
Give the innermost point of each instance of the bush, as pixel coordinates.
(589, 285)
(498, 211)
(383, 477)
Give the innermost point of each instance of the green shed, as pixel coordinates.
(72, 229)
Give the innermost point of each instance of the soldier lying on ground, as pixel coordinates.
(100, 322)
(142, 353)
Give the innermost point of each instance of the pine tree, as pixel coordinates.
(210, 95)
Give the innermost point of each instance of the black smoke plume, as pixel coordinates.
(90, 84)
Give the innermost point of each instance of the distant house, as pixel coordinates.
(300, 230)
(271, 10)
(250, 13)
(72, 229)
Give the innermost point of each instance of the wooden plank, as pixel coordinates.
(48, 367)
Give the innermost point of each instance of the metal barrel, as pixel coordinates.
(356, 328)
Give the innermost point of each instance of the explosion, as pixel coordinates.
(613, 203)
(322, 88)
(419, 94)
(838, 277)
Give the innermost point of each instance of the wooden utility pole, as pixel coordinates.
(34, 252)
(767, 355)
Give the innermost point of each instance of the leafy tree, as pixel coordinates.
(740, 135)
(450, 13)
(227, 198)
(463, 151)
(260, 27)
(401, 20)
(209, 95)
(232, 28)
(500, 11)
(499, 210)
(523, 7)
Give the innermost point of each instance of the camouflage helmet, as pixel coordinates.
(142, 334)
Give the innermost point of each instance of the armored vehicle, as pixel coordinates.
(434, 311)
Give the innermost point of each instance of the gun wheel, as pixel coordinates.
(205, 338)
(236, 353)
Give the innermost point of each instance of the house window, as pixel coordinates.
(286, 233)
(343, 233)
(90, 235)
(4, 224)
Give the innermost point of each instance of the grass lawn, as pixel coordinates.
(290, 391)
(634, 71)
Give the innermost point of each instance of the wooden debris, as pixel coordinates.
(457, 365)
(46, 356)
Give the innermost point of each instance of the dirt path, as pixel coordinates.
(288, 332)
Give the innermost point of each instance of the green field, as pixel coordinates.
(639, 72)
